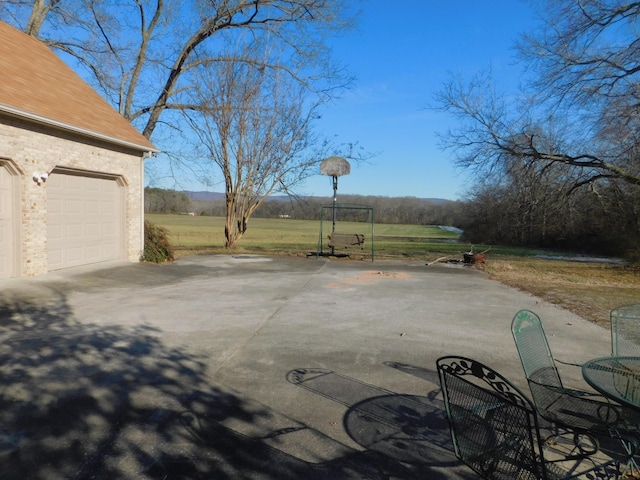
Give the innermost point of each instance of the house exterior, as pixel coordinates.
(71, 167)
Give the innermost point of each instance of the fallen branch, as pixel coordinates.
(438, 260)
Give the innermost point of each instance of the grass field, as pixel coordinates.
(300, 237)
(590, 289)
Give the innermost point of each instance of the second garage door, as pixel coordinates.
(85, 218)
(6, 224)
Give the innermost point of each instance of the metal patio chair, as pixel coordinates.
(625, 330)
(495, 430)
(587, 413)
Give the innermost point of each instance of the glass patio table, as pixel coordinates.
(616, 377)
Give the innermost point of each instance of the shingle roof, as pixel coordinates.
(36, 84)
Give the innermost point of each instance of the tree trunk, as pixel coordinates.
(38, 15)
(234, 229)
(236, 219)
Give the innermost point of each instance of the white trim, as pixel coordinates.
(71, 128)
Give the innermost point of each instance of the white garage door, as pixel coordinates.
(85, 218)
(6, 224)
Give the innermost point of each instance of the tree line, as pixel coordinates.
(392, 210)
(540, 213)
(159, 200)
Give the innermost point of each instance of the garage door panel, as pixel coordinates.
(55, 232)
(92, 207)
(74, 232)
(6, 224)
(54, 206)
(74, 254)
(94, 252)
(56, 257)
(73, 183)
(109, 228)
(94, 230)
(88, 227)
(72, 207)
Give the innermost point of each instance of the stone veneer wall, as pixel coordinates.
(28, 149)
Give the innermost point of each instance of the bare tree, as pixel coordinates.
(141, 53)
(144, 56)
(543, 178)
(582, 107)
(41, 9)
(496, 128)
(256, 127)
(27, 14)
(577, 115)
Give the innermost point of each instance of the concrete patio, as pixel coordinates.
(251, 367)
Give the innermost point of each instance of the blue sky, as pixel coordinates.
(401, 53)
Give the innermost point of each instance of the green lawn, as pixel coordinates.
(271, 235)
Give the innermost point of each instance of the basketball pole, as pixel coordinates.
(334, 167)
(335, 199)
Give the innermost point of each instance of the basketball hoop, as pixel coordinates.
(335, 167)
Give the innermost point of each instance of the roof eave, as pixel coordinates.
(15, 112)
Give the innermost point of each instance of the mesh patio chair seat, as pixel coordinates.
(579, 410)
(495, 430)
(625, 330)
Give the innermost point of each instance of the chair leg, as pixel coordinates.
(591, 453)
(585, 444)
(630, 468)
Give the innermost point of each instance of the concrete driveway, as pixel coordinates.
(250, 367)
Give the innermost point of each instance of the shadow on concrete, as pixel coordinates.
(84, 401)
(407, 436)
(420, 372)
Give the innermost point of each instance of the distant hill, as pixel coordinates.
(211, 196)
